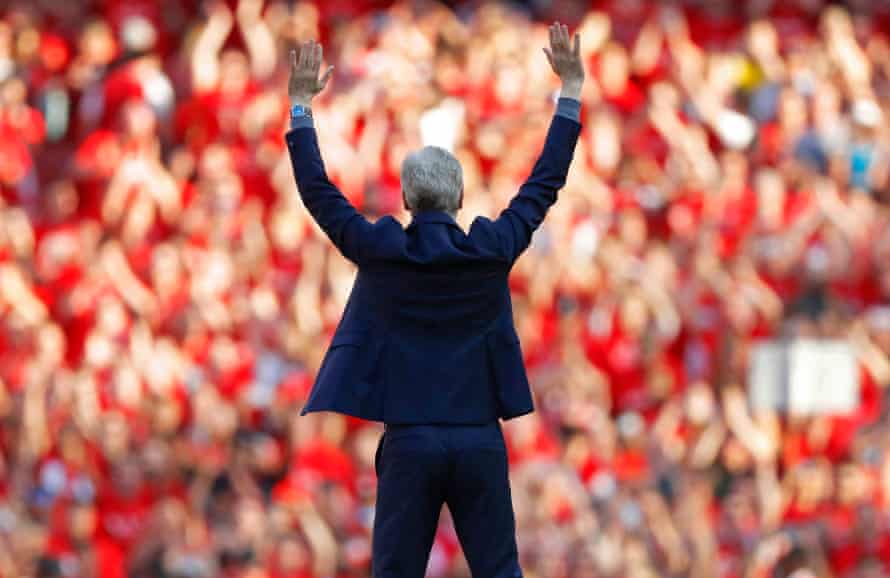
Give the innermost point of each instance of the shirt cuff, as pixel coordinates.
(301, 122)
(569, 108)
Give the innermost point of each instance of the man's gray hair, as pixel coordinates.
(432, 180)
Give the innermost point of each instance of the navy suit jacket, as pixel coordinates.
(427, 335)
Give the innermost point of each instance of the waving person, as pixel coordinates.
(427, 343)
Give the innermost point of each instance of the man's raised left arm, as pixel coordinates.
(342, 223)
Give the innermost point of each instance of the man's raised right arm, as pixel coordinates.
(517, 223)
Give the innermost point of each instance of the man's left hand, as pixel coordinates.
(304, 81)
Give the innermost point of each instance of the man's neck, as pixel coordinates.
(414, 214)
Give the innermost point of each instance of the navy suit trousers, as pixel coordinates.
(421, 467)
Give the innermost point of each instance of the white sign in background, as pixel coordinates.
(804, 377)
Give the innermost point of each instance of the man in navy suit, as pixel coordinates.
(427, 343)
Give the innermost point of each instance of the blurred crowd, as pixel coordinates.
(165, 301)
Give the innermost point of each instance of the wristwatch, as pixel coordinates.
(300, 111)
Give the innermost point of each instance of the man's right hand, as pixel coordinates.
(565, 58)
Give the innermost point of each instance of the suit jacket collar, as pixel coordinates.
(439, 217)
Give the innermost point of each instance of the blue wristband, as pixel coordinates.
(300, 116)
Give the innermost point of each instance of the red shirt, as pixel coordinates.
(330, 462)
(123, 518)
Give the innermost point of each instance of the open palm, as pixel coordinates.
(304, 81)
(564, 56)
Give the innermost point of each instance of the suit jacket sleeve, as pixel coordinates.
(340, 221)
(516, 223)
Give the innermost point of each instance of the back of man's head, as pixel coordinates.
(432, 180)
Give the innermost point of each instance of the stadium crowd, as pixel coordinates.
(165, 301)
